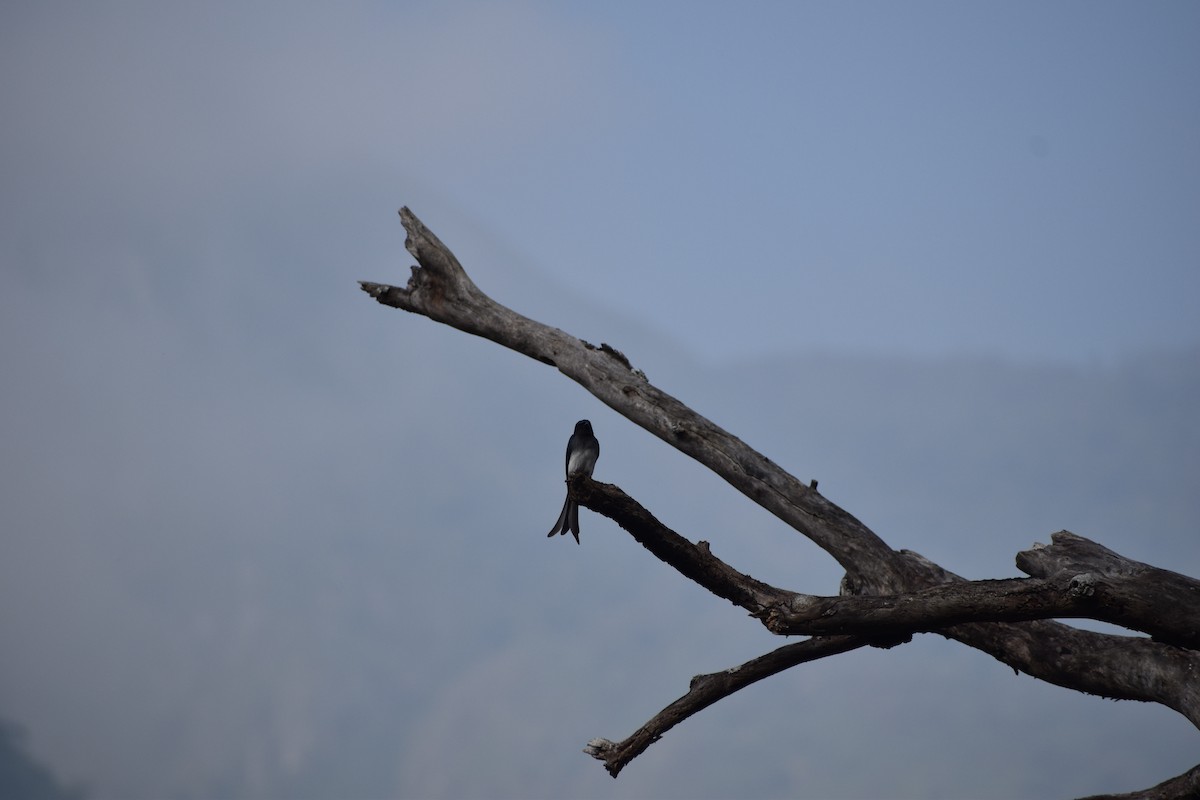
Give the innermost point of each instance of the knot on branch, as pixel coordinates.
(1082, 585)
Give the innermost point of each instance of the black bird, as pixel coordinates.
(582, 451)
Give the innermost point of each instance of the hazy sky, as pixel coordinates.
(238, 500)
(1012, 178)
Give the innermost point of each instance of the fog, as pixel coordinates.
(262, 537)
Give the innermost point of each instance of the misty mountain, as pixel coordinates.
(22, 776)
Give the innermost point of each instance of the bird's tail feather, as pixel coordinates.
(564, 518)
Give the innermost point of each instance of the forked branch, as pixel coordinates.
(890, 590)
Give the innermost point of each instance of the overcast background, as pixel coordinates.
(261, 537)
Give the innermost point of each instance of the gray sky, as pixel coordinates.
(277, 541)
(1016, 178)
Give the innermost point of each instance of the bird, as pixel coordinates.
(582, 451)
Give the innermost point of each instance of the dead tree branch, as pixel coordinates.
(693, 561)
(704, 690)
(1118, 667)
(884, 590)
(1180, 787)
(1073, 578)
(1116, 589)
(440, 289)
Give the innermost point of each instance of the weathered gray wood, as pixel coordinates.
(440, 289)
(1074, 578)
(1119, 590)
(1119, 667)
(887, 594)
(704, 690)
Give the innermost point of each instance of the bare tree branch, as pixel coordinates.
(890, 590)
(1116, 667)
(704, 690)
(1088, 581)
(1119, 667)
(1181, 787)
(693, 561)
(1076, 578)
(1116, 589)
(440, 289)
(1005, 600)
